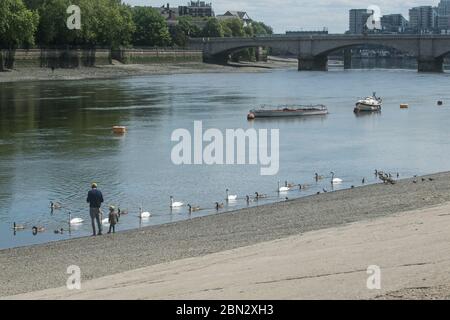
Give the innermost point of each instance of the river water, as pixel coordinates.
(55, 139)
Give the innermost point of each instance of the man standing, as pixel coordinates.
(95, 200)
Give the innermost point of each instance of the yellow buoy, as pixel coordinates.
(404, 106)
(119, 130)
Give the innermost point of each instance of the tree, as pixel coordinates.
(213, 28)
(260, 28)
(235, 27)
(151, 28)
(184, 30)
(17, 24)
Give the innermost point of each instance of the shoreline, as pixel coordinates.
(115, 71)
(44, 266)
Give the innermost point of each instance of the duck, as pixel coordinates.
(55, 205)
(193, 208)
(144, 215)
(75, 220)
(60, 231)
(335, 180)
(230, 197)
(18, 226)
(219, 206)
(175, 204)
(282, 189)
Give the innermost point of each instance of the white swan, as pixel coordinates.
(283, 189)
(75, 220)
(144, 215)
(175, 204)
(230, 197)
(105, 221)
(335, 180)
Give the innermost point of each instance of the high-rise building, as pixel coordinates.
(443, 19)
(358, 19)
(444, 8)
(422, 19)
(196, 9)
(394, 23)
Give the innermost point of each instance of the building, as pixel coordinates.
(196, 9)
(170, 14)
(241, 15)
(358, 20)
(443, 19)
(422, 19)
(393, 23)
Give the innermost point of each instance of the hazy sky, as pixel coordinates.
(285, 15)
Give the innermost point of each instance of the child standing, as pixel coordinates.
(113, 219)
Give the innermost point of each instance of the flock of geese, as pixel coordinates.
(386, 178)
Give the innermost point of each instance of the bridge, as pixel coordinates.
(313, 50)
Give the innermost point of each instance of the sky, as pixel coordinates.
(292, 15)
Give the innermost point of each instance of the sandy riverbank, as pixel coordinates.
(44, 266)
(412, 249)
(131, 70)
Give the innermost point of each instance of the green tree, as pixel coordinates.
(213, 28)
(17, 24)
(235, 27)
(184, 30)
(151, 28)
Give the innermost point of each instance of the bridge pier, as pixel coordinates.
(430, 64)
(347, 58)
(313, 63)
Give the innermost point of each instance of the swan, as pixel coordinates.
(18, 226)
(175, 204)
(144, 215)
(283, 189)
(230, 197)
(105, 221)
(335, 180)
(75, 220)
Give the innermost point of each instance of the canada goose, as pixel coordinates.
(144, 215)
(317, 177)
(193, 209)
(75, 220)
(376, 172)
(230, 197)
(122, 212)
(335, 180)
(37, 229)
(289, 185)
(175, 204)
(260, 196)
(219, 205)
(18, 226)
(364, 181)
(282, 189)
(55, 205)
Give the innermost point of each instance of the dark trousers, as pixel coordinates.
(96, 216)
(112, 227)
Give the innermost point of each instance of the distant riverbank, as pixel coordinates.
(130, 70)
(40, 267)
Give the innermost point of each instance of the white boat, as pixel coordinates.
(289, 111)
(372, 103)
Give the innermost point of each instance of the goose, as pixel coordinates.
(364, 181)
(37, 229)
(193, 208)
(122, 212)
(75, 220)
(289, 185)
(335, 180)
(230, 197)
(260, 196)
(219, 205)
(60, 231)
(317, 177)
(175, 204)
(55, 205)
(144, 215)
(18, 226)
(283, 189)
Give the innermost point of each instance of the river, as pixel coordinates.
(55, 139)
